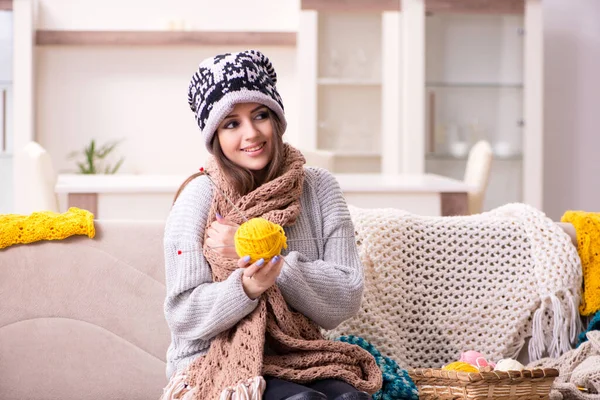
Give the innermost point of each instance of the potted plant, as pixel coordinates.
(95, 158)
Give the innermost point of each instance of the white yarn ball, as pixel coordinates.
(508, 364)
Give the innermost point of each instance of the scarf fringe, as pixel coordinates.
(566, 326)
(252, 389)
(178, 389)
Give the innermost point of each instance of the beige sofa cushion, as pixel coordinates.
(83, 318)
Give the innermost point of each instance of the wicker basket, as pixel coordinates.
(435, 383)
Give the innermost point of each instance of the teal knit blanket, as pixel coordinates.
(397, 384)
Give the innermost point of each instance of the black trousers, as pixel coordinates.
(278, 389)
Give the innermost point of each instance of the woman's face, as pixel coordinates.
(246, 136)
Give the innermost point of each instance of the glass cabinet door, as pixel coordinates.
(473, 92)
(349, 89)
(6, 65)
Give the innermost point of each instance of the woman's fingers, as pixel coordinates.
(270, 270)
(243, 262)
(253, 269)
(224, 221)
(210, 242)
(211, 232)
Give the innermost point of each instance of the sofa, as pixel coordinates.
(83, 318)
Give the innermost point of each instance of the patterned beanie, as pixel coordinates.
(228, 79)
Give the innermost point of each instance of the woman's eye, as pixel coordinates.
(230, 125)
(262, 115)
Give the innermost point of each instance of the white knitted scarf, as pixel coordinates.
(438, 286)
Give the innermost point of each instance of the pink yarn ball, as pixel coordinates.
(475, 358)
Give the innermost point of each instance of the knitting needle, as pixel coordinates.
(293, 240)
(288, 241)
(223, 194)
(239, 212)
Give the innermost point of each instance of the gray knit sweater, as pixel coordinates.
(323, 279)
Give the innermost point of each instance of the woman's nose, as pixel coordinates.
(250, 130)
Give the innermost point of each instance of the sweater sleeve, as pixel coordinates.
(196, 308)
(329, 290)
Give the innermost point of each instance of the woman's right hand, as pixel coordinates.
(260, 276)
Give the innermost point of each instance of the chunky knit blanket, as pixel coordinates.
(438, 286)
(579, 371)
(397, 384)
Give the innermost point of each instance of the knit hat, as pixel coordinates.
(228, 79)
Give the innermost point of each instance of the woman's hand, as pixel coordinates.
(220, 237)
(260, 276)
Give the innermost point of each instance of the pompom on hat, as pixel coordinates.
(228, 79)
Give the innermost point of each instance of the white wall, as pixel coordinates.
(139, 94)
(231, 15)
(572, 98)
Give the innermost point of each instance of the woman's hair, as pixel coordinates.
(243, 179)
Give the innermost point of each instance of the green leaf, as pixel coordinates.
(82, 169)
(117, 166)
(93, 155)
(106, 149)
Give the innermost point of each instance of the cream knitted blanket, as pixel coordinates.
(578, 368)
(437, 286)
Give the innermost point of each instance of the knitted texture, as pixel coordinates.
(45, 225)
(460, 366)
(587, 226)
(225, 80)
(593, 325)
(259, 238)
(578, 368)
(397, 384)
(197, 308)
(438, 286)
(236, 356)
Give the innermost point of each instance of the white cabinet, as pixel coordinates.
(6, 45)
(474, 91)
(6, 77)
(410, 89)
(483, 80)
(345, 94)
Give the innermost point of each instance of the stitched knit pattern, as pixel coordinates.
(593, 325)
(587, 226)
(228, 79)
(322, 279)
(397, 384)
(236, 355)
(438, 286)
(45, 225)
(578, 368)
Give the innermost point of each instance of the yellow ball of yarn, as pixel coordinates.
(259, 238)
(460, 366)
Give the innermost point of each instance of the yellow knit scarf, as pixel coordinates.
(45, 225)
(587, 226)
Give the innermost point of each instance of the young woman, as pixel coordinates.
(244, 330)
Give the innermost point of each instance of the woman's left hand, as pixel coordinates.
(220, 237)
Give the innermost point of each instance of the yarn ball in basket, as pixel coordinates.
(475, 358)
(259, 238)
(460, 366)
(508, 364)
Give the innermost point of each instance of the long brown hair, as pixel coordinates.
(243, 179)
